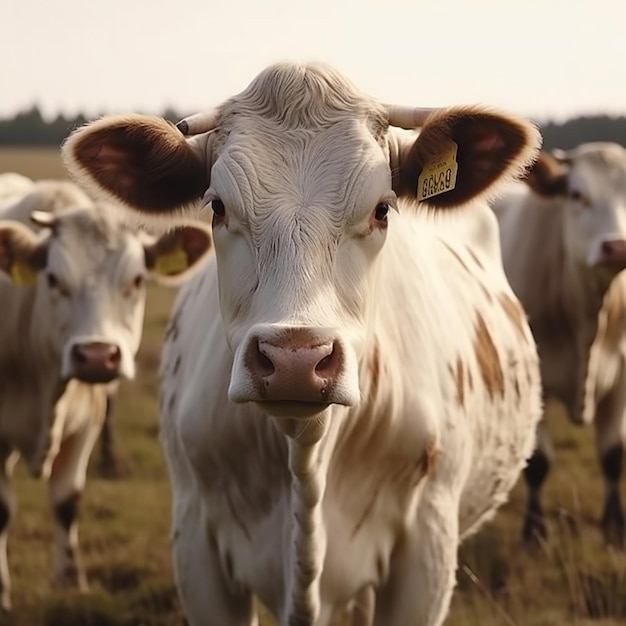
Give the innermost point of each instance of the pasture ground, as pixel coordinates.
(124, 524)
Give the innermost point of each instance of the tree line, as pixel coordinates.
(29, 128)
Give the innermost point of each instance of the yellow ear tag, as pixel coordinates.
(439, 175)
(23, 275)
(172, 263)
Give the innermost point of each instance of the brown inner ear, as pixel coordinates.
(481, 145)
(147, 167)
(486, 147)
(14, 248)
(547, 177)
(193, 241)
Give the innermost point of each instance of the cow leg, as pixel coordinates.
(423, 568)
(205, 595)
(108, 459)
(7, 510)
(609, 426)
(535, 473)
(67, 481)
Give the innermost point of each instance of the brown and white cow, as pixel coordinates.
(351, 387)
(72, 293)
(564, 242)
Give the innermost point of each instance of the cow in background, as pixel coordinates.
(73, 294)
(563, 235)
(351, 387)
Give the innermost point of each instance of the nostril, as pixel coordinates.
(78, 356)
(115, 356)
(328, 365)
(324, 365)
(263, 363)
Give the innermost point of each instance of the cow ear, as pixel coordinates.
(141, 161)
(22, 253)
(548, 175)
(173, 256)
(462, 154)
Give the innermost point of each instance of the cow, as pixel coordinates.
(72, 291)
(350, 387)
(563, 236)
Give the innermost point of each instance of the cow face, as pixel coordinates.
(592, 182)
(303, 176)
(89, 273)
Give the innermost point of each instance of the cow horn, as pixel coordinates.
(43, 219)
(198, 123)
(407, 117)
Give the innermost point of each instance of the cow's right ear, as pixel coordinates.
(142, 161)
(174, 256)
(548, 176)
(22, 253)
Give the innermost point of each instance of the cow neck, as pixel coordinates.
(309, 443)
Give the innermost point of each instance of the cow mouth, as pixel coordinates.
(293, 408)
(96, 378)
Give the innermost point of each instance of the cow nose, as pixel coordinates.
(96, 362)
(295, 366)
(614, 252)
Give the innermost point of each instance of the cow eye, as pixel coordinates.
(53, 281)
(138, 281)
(381, 212)
(218, 208)
(577, 196)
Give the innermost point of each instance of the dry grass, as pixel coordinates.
(574, 580)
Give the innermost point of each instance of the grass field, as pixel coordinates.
(124, 525)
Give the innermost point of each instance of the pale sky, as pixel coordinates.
(549, 59)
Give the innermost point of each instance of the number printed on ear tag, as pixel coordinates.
(173, 263)
(23, 275)
(439, 175)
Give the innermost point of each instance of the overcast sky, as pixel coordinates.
(549, 59)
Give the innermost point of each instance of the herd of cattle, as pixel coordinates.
(354, 372)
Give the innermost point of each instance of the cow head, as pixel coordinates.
(88, 270)
(591, 180)
(303, 175)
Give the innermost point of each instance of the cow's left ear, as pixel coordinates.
(462, 154)
(22, 253)
(173, 256)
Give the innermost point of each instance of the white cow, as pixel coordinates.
(564, 241)
(351, 388)
(72, 299)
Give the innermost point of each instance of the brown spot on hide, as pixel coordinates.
(488, 359)
(375, 367)
(514, 312)
(460, 382)
(456, 256)
(475, 258)
(428, 460)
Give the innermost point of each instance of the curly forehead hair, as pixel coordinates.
(301, 96)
